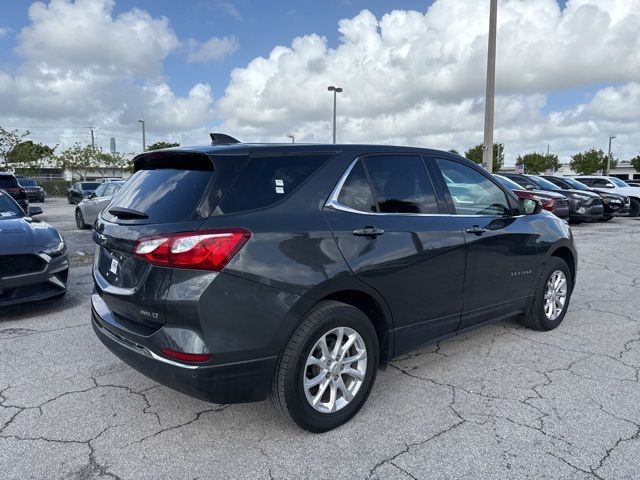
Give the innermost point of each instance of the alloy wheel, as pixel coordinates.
(335, 370)
(555, 295)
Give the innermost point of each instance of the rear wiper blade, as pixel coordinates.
(124, 213)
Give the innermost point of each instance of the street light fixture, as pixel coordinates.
(144, 140)
(293, 138)
(335, 91)
(609, 155)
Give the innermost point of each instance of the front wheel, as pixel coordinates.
(328, 368)
(551, 297)
(634, 208)
(80, 220)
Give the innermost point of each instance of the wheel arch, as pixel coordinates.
(564, 253)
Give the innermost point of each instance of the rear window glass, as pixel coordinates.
(165, 195)
(90, 185)
(28, 183)
(267, 180)
(7, 181)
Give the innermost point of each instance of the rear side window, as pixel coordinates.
(268, 179)
(8, 181)
(165, 195)
(401, 184)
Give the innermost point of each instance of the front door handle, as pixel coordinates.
(368, 231)
(476, 230)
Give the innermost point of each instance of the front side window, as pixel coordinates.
(472, 193)
(524, 182)
(401, 184)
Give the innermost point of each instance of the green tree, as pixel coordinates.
(635, 163)
(591, 161)
(475, 155)
(536, 163)
(159, 145)
(113, 164)
(79, 159)
(8, 140)
(29, 155)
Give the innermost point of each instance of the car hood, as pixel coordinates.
(26, 235)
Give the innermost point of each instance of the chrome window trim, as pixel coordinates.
(333, 203)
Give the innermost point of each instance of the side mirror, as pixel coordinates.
(31, 211)
(93, 195)
(529, 206)
(609, 185)
(529, 187)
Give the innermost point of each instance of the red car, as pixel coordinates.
(552, 202)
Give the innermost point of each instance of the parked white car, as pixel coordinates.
(615, 185)
(88, 209)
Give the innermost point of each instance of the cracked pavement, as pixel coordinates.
(500, 402)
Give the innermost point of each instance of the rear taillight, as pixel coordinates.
(186, 357)
(547, 203)
(201, 250)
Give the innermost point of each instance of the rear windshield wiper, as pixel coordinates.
(125, 213)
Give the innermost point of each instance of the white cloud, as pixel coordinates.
(418, 78)
(214, 49)
(84, 65)
(4, 31)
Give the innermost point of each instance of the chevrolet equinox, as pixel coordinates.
(235, 272)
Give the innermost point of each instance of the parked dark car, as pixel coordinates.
(552, 202)
(9, 183)
(633, 183)
(615, 205)
(35, 193)
(584, 206)
(33, 256)
(235, 272)
(614, 185)
(81, 190)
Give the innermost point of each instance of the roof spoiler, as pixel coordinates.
(222, 139)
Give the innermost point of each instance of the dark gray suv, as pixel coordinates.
(234, 272)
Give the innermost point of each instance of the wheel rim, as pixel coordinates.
(555, 295)
(335, 370)
(79, 219)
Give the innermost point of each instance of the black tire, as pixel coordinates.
(535, 317)
(605, 219)
(71, 202)
(634, 208)
(287, 391)
(80, 220)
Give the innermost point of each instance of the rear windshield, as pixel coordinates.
(7, 181)
(267, 180)
(9, 208)
(28, 183)
(165, 195)
(90, 185)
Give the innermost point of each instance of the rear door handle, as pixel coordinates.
(476, 230)
(368, 231)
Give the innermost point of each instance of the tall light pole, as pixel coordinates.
(292, 137)
(335, 91)
(144, 140)
(609, 155)
(487, 149)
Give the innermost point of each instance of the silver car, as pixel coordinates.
(89, 208)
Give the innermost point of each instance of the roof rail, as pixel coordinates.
(222, 139)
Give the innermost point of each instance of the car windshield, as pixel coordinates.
(27, 183)
(90, 185)
(544, 184)
(618, 182)
(575, 184)
(9, 208)
(507, 182)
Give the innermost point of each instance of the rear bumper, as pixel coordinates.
(31, 287)
(237, 382)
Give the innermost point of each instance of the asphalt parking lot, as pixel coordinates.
(501, 402)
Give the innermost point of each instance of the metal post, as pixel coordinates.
(335, 91)
(487, 152)
(293, 138)
(144, 140)
(609, 156)
(93, 140)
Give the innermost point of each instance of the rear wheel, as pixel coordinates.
(328, 368)
(551, 298)
(605, 219)
(80, 220)
(634, 208)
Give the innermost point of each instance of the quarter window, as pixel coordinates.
(472, 193)
(356, 191)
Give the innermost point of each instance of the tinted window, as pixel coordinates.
(619, 182)
(8, 181)
(356, 191)
(545, 184)
(586, 181)
(600, 182)
(401, 184)
(9, 208)
(165, 195)
(576, 185)
(90, 185)
(507, 182)
(267, 180)
(472, 193)
(27, 183)
(524, 182)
